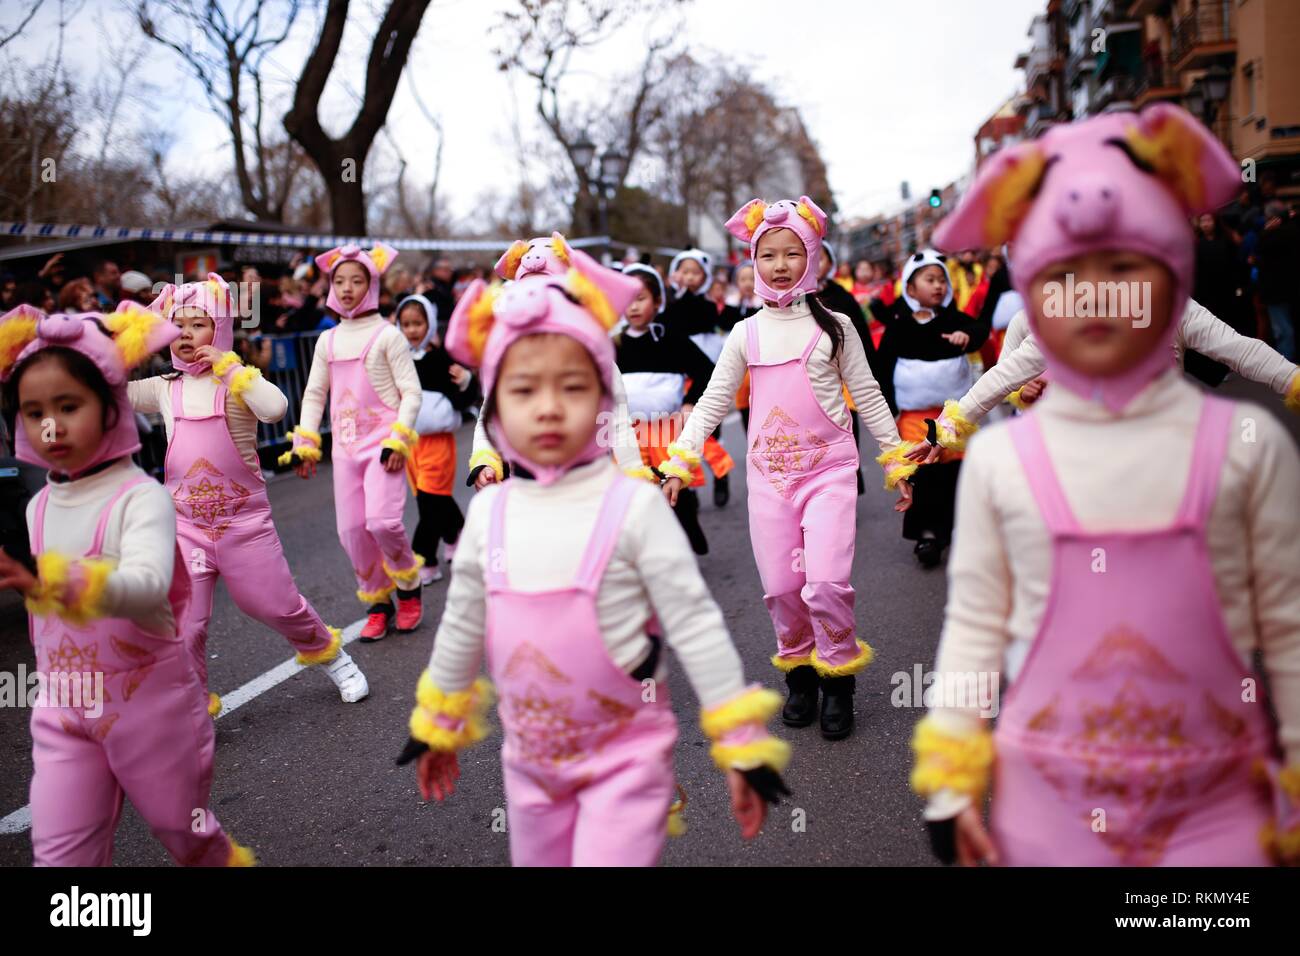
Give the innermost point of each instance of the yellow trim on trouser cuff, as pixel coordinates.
(677, 814)
(754, 706)
(897, 467)
(952, 428)
(946, 762)
(326, 653)
(214, 704)
(410, 575)
(865, 656)
(642, 473)
(488, 457)
(787, 664)
(767, 752)
(1293, 393)
(240, 855)
(376, 597)
(224, 364)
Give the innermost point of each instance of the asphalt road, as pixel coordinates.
(304, 779)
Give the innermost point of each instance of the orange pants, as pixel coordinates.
(431, 466)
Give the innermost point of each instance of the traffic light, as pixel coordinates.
(936, 200)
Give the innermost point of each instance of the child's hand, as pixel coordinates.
(1031, 392)
(305, 469)
(458, 374)
(14, 574)
(959, 339)
(485, 477)
(396, 461)
(670, 488)
(749, 809)
(207, 353)
(438, 771)
(925, 453)
(904, 496)
(973, 842)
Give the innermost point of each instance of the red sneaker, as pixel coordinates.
(376, 628)
(409, 613)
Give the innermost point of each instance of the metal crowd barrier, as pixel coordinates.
(291, 357)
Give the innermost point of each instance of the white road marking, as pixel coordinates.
(21, 819)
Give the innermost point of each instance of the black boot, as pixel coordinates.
(837, 707)
(800, 708)
(721, 491)
(929, 552)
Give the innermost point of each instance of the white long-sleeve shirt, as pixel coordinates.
(652, 571)
(627, 452)
(140, 536)
(262, 402)
(1199, 329)
(389, 367)
(1127, 471)
(783, 334)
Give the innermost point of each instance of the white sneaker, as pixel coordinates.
(347, 676)
(429, 576)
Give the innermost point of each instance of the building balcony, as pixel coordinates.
(1115, 93)
(1142, 8)
(1155, 82)
(1202, 37)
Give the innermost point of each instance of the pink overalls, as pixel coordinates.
(224, 528)
(368, 500)
(588, 761)
(1125, 739)
(153, 739)
(802, 477)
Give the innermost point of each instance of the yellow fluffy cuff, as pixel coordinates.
(55, 573)
(643, 473)
(306, 446)
(242, 381)
(407, 576)
(676, 469)
(376, 597)
(897, 467)
(488, 457)
(753, 706)
(787, 664)
(467, 707)
(1293, 394)
(1015, 401)
(952, 428)
(945, 762)
(684, 454)
(326, 653)
(764, 752)
(224, 364)
(864, 657)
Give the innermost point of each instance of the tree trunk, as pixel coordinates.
(347, 206)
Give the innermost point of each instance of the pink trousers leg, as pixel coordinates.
(385, 501)
(829, 529)
(623, 817)
(201, 561)
(779, 552)
(541, 827)
(350, 514)
(76, 800)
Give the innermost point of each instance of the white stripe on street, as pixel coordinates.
(21, 819)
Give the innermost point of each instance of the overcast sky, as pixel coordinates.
(890, 89)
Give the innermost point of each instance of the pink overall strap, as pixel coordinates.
(751, 339)
(328, 337)
(1208, 454)
(1027, 436)
(378, 332)
(496, 555)
(604, 536)
(812, 344)
(97, 545)
(177, 398)
(38, 521)
(219, 401)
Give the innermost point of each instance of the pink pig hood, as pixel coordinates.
(803, 217)
(584, 303)
(375, 262)
(116, 342)
(214, 297)
(1116, 182)
(543, 256)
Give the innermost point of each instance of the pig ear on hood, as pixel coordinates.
(470, 324)
(508, 265)
(1184, 155)
(747, 219)
(996, 203)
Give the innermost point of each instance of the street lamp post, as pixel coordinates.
(605, 177)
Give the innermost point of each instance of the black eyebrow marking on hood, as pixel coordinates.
(1134, 158)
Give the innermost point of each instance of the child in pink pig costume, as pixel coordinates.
(109, 587)
(210, 407)
(802, 463)
(364, 367)
(557, 577)
(1124, 550)
(535, 259)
